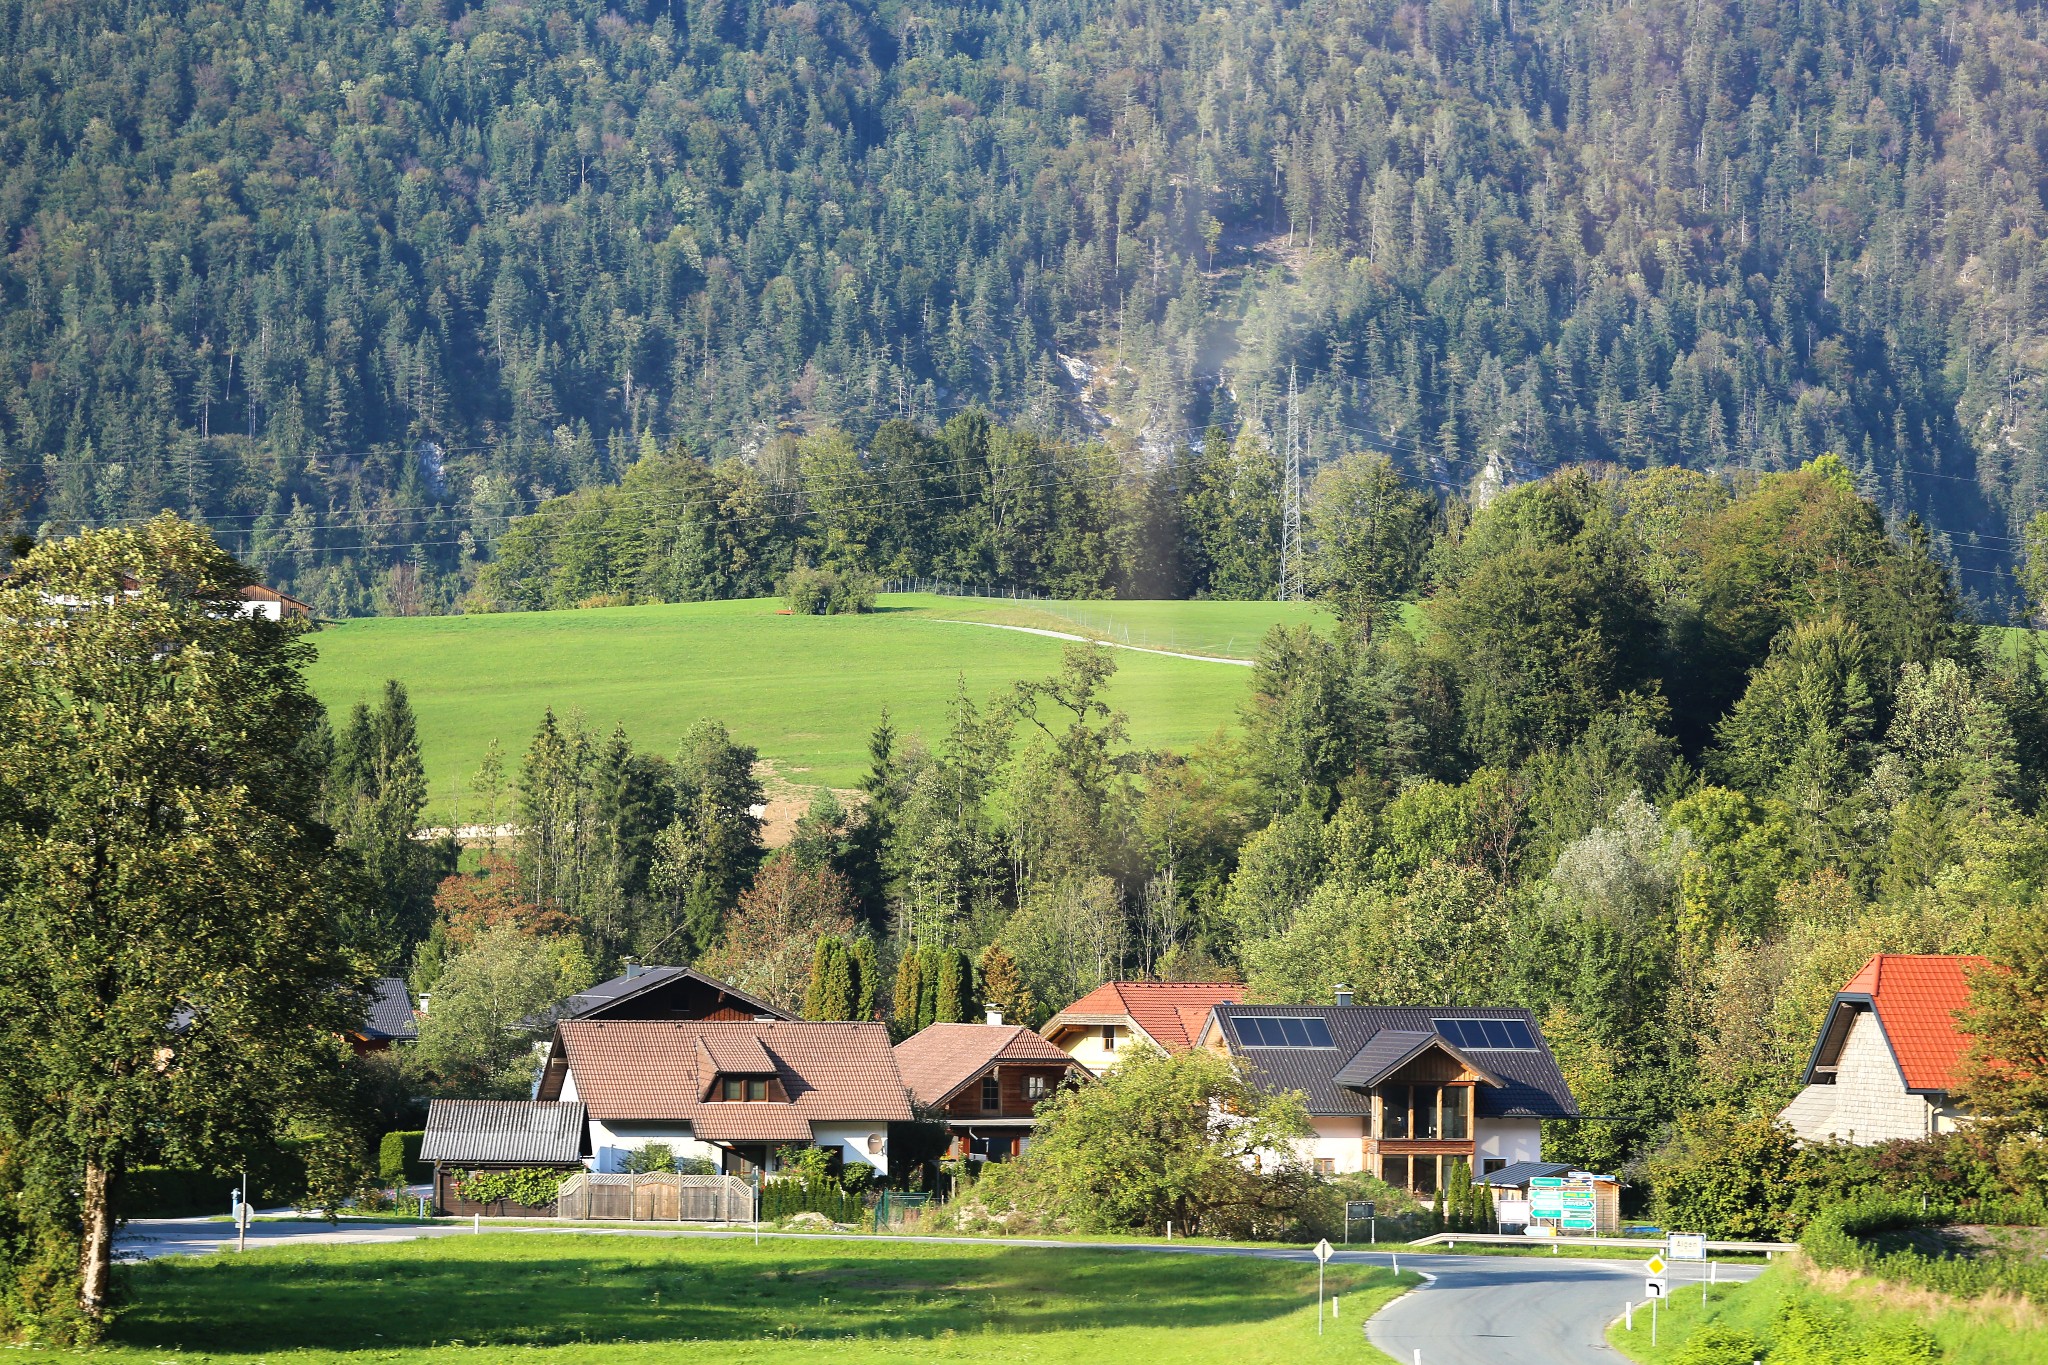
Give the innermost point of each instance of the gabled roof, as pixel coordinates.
(1527, 1082)
(1915, 998)
(1170, 1013)
(498, 1132)
(390, 1012)
(937, 1061)
(652, 1069)
(1391, 1049)
(614, 998)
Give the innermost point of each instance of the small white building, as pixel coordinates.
(1889, 1054)
(733, 1093)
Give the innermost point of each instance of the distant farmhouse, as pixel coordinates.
(674, 993)
(987, 1080)
(1889, 1055)
(387, 1018)
(1099, 1026)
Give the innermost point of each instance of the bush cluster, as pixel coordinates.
(1840, 1238)
(531, 1187)
(826, 592)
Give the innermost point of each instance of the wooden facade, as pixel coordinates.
(1423, 1123)
(1019, 1088)
(448, 1199)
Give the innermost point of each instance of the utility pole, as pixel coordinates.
(1290, 499)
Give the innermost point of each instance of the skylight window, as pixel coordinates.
(1487, 1035)
(1266, 1030)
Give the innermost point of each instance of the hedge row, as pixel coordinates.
(783, 1198)
(275, 1177)
(1838, 1237)
(398, 1159)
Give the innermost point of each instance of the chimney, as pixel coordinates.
(633, 968)
(426, 1002)
(995, 1017)
(1343, 997)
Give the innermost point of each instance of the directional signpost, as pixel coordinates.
(1323, 1253)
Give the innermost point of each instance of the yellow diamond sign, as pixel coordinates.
(1655, 1265)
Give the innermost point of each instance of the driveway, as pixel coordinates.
(1520, 1310)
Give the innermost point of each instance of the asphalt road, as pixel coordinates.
(1519, 1310)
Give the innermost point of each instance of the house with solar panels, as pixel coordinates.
(1404, 1093)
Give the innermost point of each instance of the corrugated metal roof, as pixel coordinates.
(1530, 1086)
(502, 1131)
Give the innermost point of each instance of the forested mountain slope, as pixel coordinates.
(356, 283)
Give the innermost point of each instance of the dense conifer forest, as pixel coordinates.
(359, 283)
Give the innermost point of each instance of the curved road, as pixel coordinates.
(1520, 1310)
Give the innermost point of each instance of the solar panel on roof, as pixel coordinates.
(1282, 1031)
(1486, 1035)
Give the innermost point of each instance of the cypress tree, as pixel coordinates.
(838, 985)
(949, 1002)
(821, 969)
(909, 991)
(867, 978)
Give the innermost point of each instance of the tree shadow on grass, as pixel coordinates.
(530, 1292)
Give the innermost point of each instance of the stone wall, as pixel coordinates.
(1868, 1103)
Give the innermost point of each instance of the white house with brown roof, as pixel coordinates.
(734, 1093)
(1168, 1015)
(987, 1080)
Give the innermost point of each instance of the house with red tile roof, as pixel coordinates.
(732, 1092)
(986, 1079)
(1117, 1014)
(1889, 1055)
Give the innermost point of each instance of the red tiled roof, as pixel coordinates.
(652, 1069)
(1916, 998)
(1163, 1009)
(936, 1061)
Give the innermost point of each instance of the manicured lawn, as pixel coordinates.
(511, 1296)
(1855, 1322)
(806, 691)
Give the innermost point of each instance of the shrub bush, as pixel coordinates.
(1714, 1345)
(531, 1187)
(786, 1198)
(398, 1158)
(1838, 1238)
(826, 592)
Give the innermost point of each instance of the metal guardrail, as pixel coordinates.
(1639, 1243)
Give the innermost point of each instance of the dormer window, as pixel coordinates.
(743, 1088)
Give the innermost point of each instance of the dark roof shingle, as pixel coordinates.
(504, 1131)
(1530, 1086)
(390, 1012)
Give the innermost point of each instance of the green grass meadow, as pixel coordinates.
(1856, 1324)
(805, 690)
(513, 1296)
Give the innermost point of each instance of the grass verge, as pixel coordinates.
(558, 1299)
(1790, 1312)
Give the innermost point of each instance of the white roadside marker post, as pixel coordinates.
(1323, 1252)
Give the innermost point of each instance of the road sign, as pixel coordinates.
(1655, 1265)
(1653, 1288)
(1324, 1250)
(1359, 1210)
(1688, 1246)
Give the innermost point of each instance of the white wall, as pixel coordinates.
(1510, 1140)
(610, 1143)
(852, 1141)
(1869, 1102)
(1339, 1139)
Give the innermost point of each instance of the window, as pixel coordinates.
(757, 1090)
(732, 1088)
(991, 1092)
(1268, 1030)
(1326, 1165)
(1425, 1112)
(1394, 1170)
(1487, 1035)
(1109, 1037)
(1423, 1175)
(1457, 1106)
(1394, 1111)
(1492, 1164)
(1035, 1087)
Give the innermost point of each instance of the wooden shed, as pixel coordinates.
(468, 1136)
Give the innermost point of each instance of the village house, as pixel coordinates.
(1096, 1029)
(733, 1093)
(987, 1080)
(653, 992)
(1400, 1092)
(1889, 1054)
(387, 1017)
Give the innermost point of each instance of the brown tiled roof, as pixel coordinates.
(1162, 1009)
(727, 1055)
(937, 1060)
(652, 1069)
(1916, 997)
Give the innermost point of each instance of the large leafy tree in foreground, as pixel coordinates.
(171, 976)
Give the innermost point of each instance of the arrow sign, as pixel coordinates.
(1655, 1265)
(1324, 1251)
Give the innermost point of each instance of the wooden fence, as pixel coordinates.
(661, 1198)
